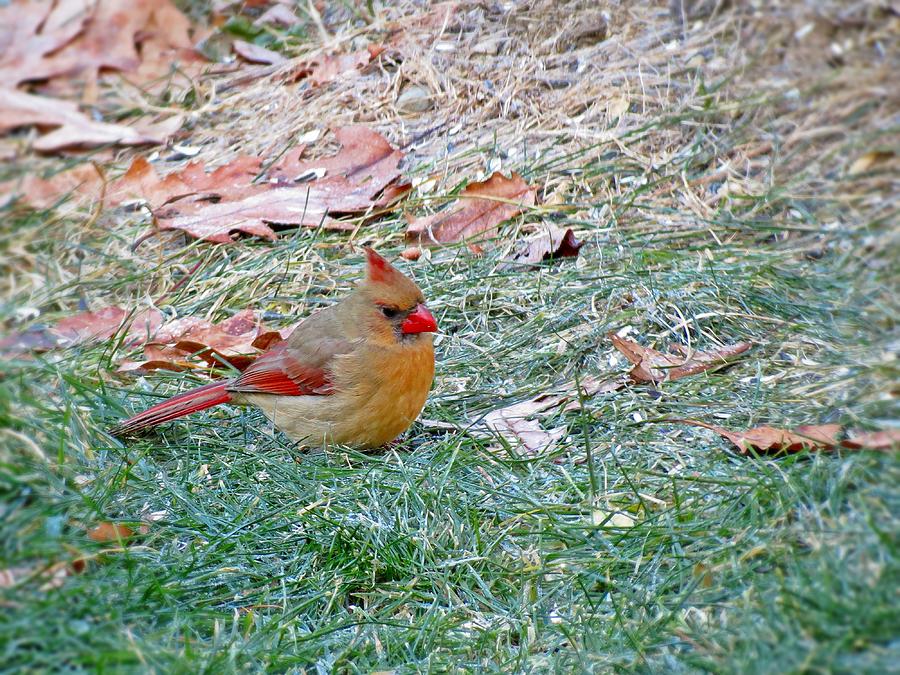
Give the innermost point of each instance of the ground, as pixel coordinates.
(733, 177)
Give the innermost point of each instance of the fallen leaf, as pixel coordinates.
(29, 31)
(821, 437)
(43, 193)
(71, 127)
(551, 243)
(279, 15)
(361, 176)
(412, 253)
(616, 107)
(331, 67)
(256, 54)
(83, 328)
(517, 423)
(514, 423)
(874, 440)
(192, 343)
(80, 38)
(35, 339)
(353, 180)
(480, 209)
(867, 161)
(651, 365)
(10, 576)
(106, 532)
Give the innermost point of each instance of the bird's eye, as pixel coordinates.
(390, 312)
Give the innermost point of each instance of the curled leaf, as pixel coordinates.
(106, 532)
(888, 439)
(480, 209)
(519, 425)
(71, 128)
(192, 343)
(651, 365)
(256, 54)
(83, 328)
(550, 243)
(815, 437)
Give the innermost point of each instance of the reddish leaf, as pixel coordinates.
(411, 253)
(360, 177)
(29, 31)
(141, 181)
(279, 15)
(550, 243)
(159, 357)
(190, 343)
(265, 340)
(328, 68)
(256, 54)
(107, 532)
(74, 38)
(874, 440)
(653, 366)
(42, 193)
(481, 208)
(71, 128)
(84, 327)
(353, 179)
(822, 437)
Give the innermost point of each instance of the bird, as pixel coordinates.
(355, 373)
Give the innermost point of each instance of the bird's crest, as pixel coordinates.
(389, 283)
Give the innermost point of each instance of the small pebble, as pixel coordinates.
(414, 99)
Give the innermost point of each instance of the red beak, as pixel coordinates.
(420, 320)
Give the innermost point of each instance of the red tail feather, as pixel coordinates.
(189, 402)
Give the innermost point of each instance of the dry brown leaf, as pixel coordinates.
(331, 67)
(279, 15)
(551, 243)
(514, 424)
(888, 439)
(43, 193)
(141, 181)
(29, 31)
(255, 54)
(412, 253)
(353, 180)
(81, 38)
(867, 161)
(106, 532)
(480, 209)
(362, 176)
(192, 343)
(654, 366)
(820, 437)
(83, 328)
(518, 425)
(70, 127)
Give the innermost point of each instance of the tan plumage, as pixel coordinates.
(356, 373)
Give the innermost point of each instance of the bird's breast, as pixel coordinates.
(381, 391)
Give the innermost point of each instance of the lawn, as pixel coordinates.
(733, 178)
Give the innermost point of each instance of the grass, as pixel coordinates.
(635, 544)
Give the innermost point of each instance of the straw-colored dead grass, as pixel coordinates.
(799, 90)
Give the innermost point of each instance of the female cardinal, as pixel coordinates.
(357, 372)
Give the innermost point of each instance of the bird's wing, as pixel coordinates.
(293, 372)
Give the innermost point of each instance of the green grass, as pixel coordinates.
(635, 545)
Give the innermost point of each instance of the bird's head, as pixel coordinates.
(392, 304)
